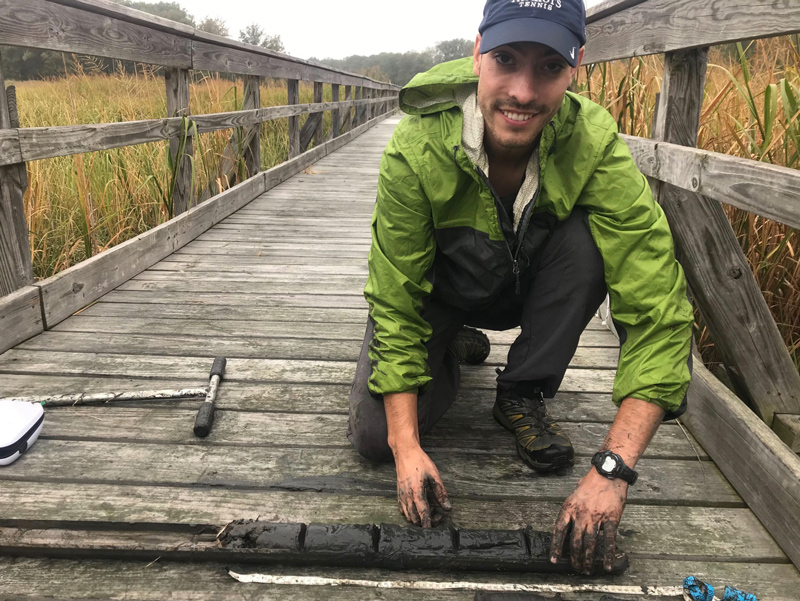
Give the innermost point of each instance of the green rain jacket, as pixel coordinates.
(436, 231)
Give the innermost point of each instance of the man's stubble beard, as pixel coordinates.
(511, 142)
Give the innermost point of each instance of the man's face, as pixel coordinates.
(520, 89)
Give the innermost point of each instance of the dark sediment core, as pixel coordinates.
(399, 547)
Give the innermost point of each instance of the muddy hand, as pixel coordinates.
(596, 504)
(420, 492)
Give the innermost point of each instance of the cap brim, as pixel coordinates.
(551, 34)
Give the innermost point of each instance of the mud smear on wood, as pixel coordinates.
(399, 547)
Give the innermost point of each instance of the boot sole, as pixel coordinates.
(559, 463)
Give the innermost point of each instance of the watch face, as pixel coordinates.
(608, 465)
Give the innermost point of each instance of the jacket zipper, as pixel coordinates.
(514, 256)
(526, 215)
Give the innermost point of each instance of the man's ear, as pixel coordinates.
(580, 58)
(476, 56)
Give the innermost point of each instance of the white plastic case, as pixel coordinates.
(20, 425)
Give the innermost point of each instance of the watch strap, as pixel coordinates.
(624, 473)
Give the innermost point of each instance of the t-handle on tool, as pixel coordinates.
(205, 416)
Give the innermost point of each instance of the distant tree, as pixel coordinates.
(214, 26)
(254, 34)
(451, 50)
(273, 42)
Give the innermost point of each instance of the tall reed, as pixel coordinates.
(751, 109)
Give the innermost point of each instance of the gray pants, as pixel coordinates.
(560, 293)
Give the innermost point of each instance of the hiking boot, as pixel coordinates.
(470, 345)
(540, 442)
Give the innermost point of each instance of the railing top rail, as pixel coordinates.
(619, 29)
(174, 44)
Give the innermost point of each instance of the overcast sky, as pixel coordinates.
(335, 29)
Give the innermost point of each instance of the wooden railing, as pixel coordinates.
(106, 29)
(690, 184)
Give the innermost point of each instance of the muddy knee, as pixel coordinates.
(371, 442)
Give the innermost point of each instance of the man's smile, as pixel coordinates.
(517, 117)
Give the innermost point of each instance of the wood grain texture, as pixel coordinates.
(252, 101)
(294, 122)
(184, 581)
(336, 114)
(16, 270)
(20, 317)
(46, 25)
(661, 481)
(35, 143)
(722, 283)
(317, 99)
(758, 464)
(459, 430)
(180, 146)
(787, 427)
(658, 26)
(608, 7)
(643, 527)
(767, 190)
(346, 121)
(10, 152)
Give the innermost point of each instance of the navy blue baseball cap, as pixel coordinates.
(560, 24)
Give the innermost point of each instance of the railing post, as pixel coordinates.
(177, 82)
(348, 115)
(720, 278)
(294, 122)
(359, 95)
(252, 135)
(336, 114)
(16, 269)
(318, 98)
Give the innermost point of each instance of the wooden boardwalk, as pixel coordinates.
(277, 289)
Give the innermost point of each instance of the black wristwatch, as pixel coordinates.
(612, 466)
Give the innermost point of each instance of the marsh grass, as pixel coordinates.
(80, 205)
(751, 109)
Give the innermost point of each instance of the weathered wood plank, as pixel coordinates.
(35, 143)
(608, 7)
(252, 101)
(767, 190)
(183, 581)
(458, 430)
(247, 369)
(180, 146)
(47, 25)
(309, 127)
(787, 427)
(680, 531)
(251, 346)
(10, 152)
(15, 254)
(294, 122)
(266, 301)
(661, 481)
(659, 26)
(299, 398)
(721, 280)
(336, 114)
(216, 57)
(20, 316)
(758, 464)
(318, 98)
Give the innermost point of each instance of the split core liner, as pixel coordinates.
(400, 547)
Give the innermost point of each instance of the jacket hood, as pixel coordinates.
(439, 88)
